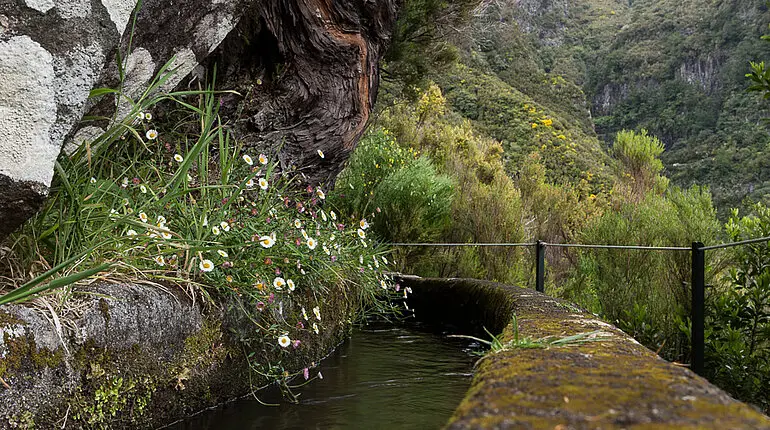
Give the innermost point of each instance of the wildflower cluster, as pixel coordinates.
(223, 225)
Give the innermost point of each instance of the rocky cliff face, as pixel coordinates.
(307, 71)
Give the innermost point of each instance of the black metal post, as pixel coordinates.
(698, 307)
(540, 271)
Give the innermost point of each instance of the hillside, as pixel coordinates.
(674, 68)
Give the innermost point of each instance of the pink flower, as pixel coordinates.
(300, 325)
(334, 258)
(268, 219)
(271, 298)
(298, 242)
(306, 373)
(277, 271)
(261, 306)
(398, 287)
(340, 227)
(296, 343)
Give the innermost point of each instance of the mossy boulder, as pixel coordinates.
(133, 356)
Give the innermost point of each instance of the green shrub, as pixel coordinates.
(415, 202)
(645, 292)
(738, 314)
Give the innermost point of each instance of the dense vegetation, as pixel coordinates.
(169, 198)
(498, 144)
(503, 123)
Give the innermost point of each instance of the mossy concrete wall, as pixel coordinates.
(131, 356)
(610, 383)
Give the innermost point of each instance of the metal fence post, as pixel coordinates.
(540, 270)
(698, 307)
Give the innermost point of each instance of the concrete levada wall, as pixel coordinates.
(129, 356)
(607, 381)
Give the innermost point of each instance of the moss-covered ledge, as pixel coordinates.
(613, 383)
(132, 356)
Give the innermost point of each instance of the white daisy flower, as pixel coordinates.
(140, 116)
(222, 253)
(165, 235)
(248, 159)
(384, 260)
(225, 226)
(148, 116)
(124, 183)
(320, 153)
(323, 216)
(161, 220)
(383, 284)
(206, 265)
(250, 183)
(279, 282)
(327, 250)
(297, 223)
(215, 230)
(332, 237)
(304, 234)
(131, 233)
(284, 341)
(143, 216)
(304, 313)
(311, 243)
(143, 189)
(262, 159)
(160, 261)
(320, 194)
(315, 328)
(364, 225)
(361, 233)
(333, 215)
(152, 134)
(263, 183)
(360, 259)
(290, 284)
(178, 158)
(266, 241)
(317, 313)
(93, 180)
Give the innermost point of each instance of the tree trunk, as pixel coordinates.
(308, 71)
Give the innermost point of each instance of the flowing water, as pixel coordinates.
(383, 377)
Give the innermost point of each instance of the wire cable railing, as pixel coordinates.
(698, 276)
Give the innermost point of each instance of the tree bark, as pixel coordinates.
(309, 79)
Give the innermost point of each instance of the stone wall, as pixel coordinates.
(610, 381)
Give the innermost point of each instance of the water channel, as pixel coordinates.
(383, 377)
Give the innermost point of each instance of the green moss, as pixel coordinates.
(110, 392)
(7, 319)
(104, 308)
(24, 421)
(22, 352)
(596, 382)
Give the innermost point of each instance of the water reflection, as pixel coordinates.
(382, 378)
